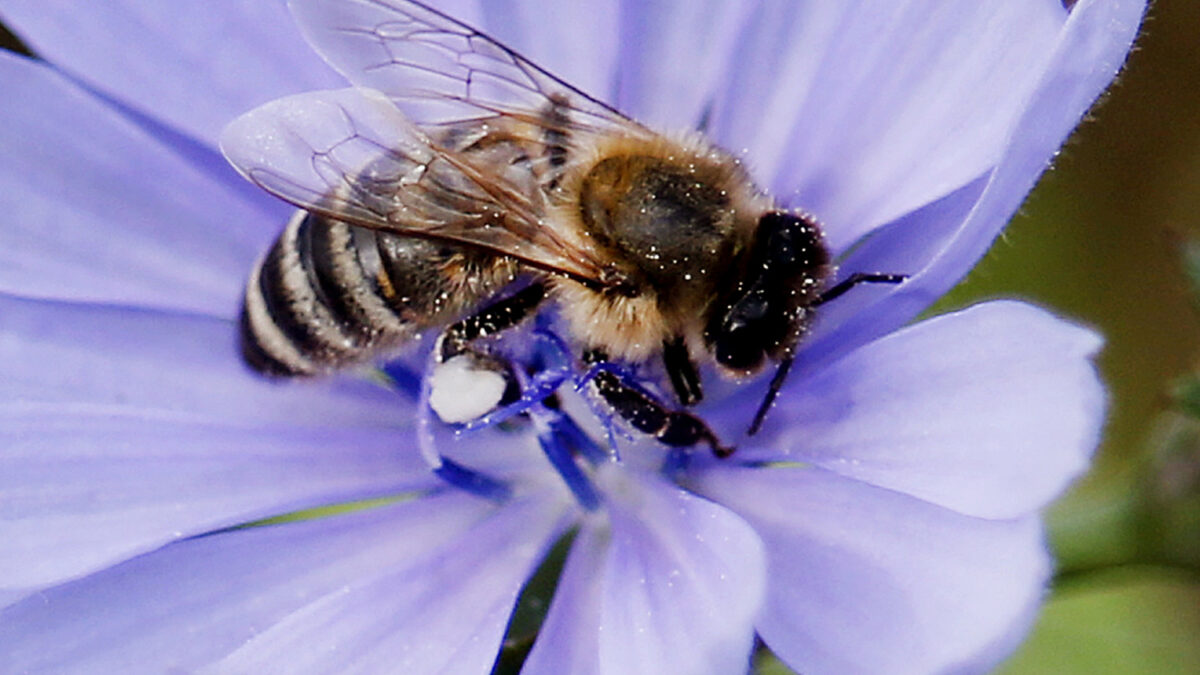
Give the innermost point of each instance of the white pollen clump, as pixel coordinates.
(459, 391)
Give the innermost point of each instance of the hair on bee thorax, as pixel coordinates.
(671, 215)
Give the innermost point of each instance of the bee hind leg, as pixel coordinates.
(675, 428)
(460, 476)
(554, 368)
(494, 318)
(474, 389)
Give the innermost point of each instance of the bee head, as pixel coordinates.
(763, 308)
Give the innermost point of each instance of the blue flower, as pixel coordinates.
(884, 520)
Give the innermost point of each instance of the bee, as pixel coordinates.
(457, 170)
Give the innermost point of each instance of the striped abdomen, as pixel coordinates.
(329, 295)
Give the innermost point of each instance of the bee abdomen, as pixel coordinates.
(328, 294)
(313, 304)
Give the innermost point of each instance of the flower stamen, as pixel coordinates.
(559, 435)
(472, 481)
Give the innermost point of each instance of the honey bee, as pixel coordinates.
(457, 170)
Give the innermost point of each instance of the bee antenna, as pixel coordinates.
(785, 364)
(781, 374)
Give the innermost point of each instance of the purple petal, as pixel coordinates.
(670, 584)
(870, 112)
(61, 357)
(576, 41)
(855, 318)
(193, 64)
(448, 613)
(568, 641)
(938, 246)
(991, 411)
(673, 58)
(417, 584)
(865, 580)
(125, 430)
(97, 209)
(82, 491)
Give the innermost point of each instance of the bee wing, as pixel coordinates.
(441, 72)
(351, 155)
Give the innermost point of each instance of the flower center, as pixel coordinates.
(540, 363)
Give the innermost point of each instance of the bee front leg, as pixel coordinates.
(671, 427)
(682, 371)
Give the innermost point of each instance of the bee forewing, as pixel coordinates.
(440, 71)
(351, 155)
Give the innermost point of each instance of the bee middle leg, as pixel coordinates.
(675, 428)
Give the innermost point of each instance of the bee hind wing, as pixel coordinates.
(441, 72)
(314, 149)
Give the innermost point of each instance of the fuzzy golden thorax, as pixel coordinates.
(672, 217)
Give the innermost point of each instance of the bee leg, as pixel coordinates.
(781, 373)
(458, 475)
(555, 368)
(470, 385)
(456, 358)
(499, 316)
(682, 371)
(671, 427)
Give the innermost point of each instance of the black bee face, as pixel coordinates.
(763, 309)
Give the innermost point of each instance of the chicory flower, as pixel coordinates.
(885, 520)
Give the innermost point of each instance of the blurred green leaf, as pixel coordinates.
(1130, 623)
(1126, 622)
(1097, 527)
(1187, 396)
(1171, 494)
(1191, 266)
(1149, 514)
(766, 663)
(532, 606)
